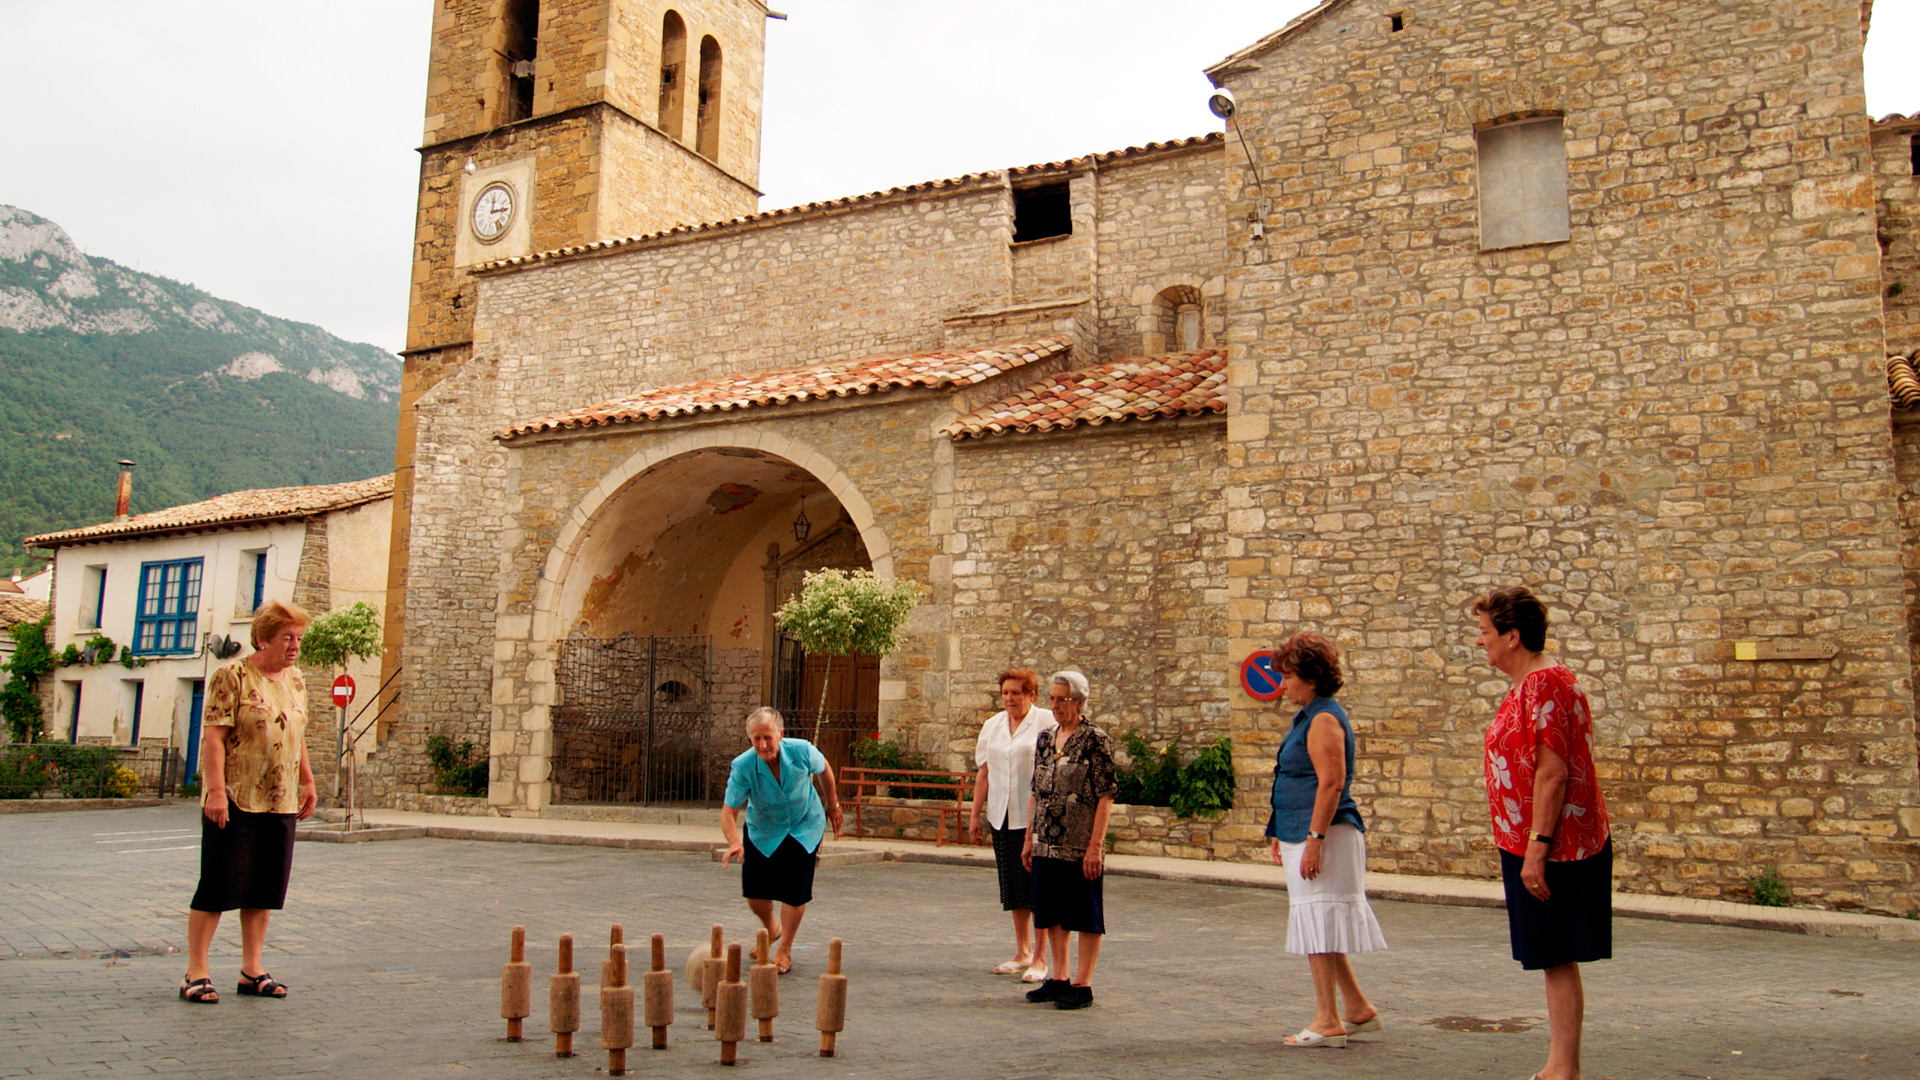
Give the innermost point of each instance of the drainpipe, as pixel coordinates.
(123, 500)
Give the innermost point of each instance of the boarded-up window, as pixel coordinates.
(1523, 184)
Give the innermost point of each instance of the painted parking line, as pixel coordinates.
(149, 839)
(141, 832)
(149, 851)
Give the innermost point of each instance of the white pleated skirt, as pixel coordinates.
(1330, 914)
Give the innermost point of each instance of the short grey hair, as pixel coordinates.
(1076, 683)
(766, 714)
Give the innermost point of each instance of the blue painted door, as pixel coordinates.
(193, 727)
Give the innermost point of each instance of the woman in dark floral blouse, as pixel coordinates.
(1073, 789)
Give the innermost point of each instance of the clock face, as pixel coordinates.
(493, 211)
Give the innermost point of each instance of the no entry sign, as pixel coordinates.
(343, 691)
(1258, 678)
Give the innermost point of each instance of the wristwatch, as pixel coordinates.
(1547, 840)
(1311, 835)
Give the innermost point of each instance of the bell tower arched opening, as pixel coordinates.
(673, 72)
(519, 48)
(708, 144)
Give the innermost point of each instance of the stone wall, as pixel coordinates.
(1673, 425)
(1097, 549)
(1160, 225)
(454, 562)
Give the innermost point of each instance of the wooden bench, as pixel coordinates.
(860, 789)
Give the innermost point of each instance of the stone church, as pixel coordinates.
(1595, 297)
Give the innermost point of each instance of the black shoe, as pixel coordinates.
(1076, 997)
(1050, 990)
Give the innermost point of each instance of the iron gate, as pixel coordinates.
(634, 724)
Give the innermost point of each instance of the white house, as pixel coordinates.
(169, 589)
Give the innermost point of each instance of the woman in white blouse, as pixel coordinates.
(1005, 778)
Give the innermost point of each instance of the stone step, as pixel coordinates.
(635, 815)
(340, 833)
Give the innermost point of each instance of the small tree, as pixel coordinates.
(338, 636)
(842, 613)
(334, 638)
(20, 699)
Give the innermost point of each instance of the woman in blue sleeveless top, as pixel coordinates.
(1319, 837)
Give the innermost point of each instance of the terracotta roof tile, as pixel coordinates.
(851, 201)
(233, 508)
(845, 378)
(1136, 388)
(19, 609)
(1903, 380)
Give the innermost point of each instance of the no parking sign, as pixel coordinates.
(1258, 677)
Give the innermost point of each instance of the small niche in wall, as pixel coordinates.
(1042, 212)
(1396, 22)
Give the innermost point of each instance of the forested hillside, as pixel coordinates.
(99, 362)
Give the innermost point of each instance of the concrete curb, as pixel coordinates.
(54, 806)
(1405, 888)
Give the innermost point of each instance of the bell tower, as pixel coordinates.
(557, 123)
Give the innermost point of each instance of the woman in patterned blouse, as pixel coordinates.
(256, 783)
(1074, 784)
(1556, 854)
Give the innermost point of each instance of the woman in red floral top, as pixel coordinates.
(1549, 819)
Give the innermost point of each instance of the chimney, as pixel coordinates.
(123, 500)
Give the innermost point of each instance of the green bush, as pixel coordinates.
(23, 772)
(81, 772)
(874, 752)
(32, 658)
(1767, 888)
(458, 770)
(1201, 788)
(1150, 778)
(191, 789)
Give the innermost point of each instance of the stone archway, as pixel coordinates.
(682, 539)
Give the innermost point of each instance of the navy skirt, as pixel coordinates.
(1574, 924)
(1063, 897)
(247, 864)
(1016, 884)
(785, 876)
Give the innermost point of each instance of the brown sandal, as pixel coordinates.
(199, 991)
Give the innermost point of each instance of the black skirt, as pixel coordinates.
(785, 876)
(246, 864)
(1016, 883)
(1574, 924)
(1063, 897)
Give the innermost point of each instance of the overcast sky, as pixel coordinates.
(264, 150)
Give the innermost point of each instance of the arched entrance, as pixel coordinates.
(664, 635)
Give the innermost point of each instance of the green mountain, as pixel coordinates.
(99, 362)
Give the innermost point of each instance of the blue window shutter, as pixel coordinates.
(259, 580)
(168, 619)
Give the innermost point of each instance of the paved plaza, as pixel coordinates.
(393, 951)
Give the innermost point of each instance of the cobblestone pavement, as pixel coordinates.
(393, 951)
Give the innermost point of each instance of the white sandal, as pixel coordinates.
(1035, 974)
(1011, 967)
(1310, 1037)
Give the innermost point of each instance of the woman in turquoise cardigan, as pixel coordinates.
(778, 786)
